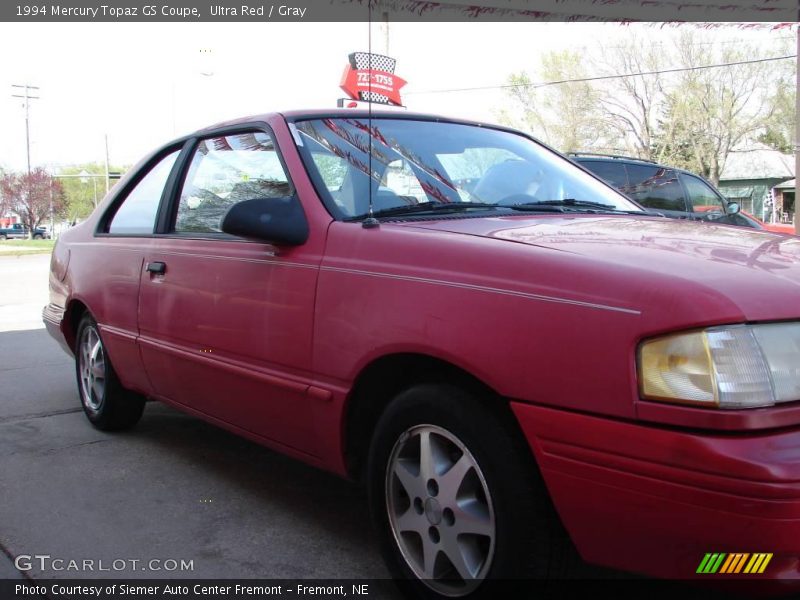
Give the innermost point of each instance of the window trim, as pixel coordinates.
(171, 187)
(168, 210)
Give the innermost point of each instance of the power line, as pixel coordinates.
(601, 77)
(709, 43)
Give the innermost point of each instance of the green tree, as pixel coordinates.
(780, 129)
(84, 188)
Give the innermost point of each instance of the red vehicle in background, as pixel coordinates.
(512, 355)
(786, 228)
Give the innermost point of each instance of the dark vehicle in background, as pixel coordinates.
(18, 231)
(667, 190)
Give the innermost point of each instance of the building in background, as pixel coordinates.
(784, 195)
(758, 179)
(8, 219)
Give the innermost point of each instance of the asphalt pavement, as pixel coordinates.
(172, 489)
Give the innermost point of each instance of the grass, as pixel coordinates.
(25, 247)
(29, 243)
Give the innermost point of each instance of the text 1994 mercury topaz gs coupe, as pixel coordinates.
(495, 340)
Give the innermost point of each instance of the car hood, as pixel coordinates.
(757, 271)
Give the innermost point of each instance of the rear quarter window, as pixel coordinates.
(136, 215)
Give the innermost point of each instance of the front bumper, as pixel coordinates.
(655, 500)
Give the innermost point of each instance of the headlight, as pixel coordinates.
(740, 366)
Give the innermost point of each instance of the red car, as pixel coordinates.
(774, 227)
(511, 354)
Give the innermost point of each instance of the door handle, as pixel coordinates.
(158, 268)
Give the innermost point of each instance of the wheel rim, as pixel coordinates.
(92, 369)
(440, 510)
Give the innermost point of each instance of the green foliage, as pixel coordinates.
(780, 129)
(83, 193)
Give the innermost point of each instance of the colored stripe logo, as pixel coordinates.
(734, 563)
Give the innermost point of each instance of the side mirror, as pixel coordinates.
(280, 221)
(732, 208)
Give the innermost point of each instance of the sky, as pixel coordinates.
(139, 85)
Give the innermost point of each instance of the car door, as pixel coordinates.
(112, 265)
(226, 323)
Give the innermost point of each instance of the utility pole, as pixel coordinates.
(27, 97)
(108, 175)
(386, 33)
(797, 134)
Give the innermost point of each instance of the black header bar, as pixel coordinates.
(755, 12)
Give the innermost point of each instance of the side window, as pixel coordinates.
(701, 197)
(137, 213)
(655, 187)
(226, 170)
(613, 173)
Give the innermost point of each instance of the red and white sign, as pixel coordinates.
(363, 79)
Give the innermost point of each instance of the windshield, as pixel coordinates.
(424, 164)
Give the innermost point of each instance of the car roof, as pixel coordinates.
(615, 158)
(359, 113)
(582, 157)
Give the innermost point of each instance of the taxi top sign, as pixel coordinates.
(370, 77)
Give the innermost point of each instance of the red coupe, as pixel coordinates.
(509, 352)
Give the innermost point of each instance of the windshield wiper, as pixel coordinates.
(423, 207)
(573, 203)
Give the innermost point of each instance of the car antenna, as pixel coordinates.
(370, 222)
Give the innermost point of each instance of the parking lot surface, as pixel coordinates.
(173, 488)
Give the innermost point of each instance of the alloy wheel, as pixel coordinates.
(440, 510)
(92, 369)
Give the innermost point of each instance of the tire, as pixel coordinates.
(479, 507)
(38, 237)
(107, 405)
(3, 237)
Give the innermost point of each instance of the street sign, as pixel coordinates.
(370, 78)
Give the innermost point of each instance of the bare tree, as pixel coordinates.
(631, 104)
(33, 196)
(630, 99)
(5, 203)
(712, 111)
(566, 115)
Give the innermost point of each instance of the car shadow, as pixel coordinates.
(335, 504)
